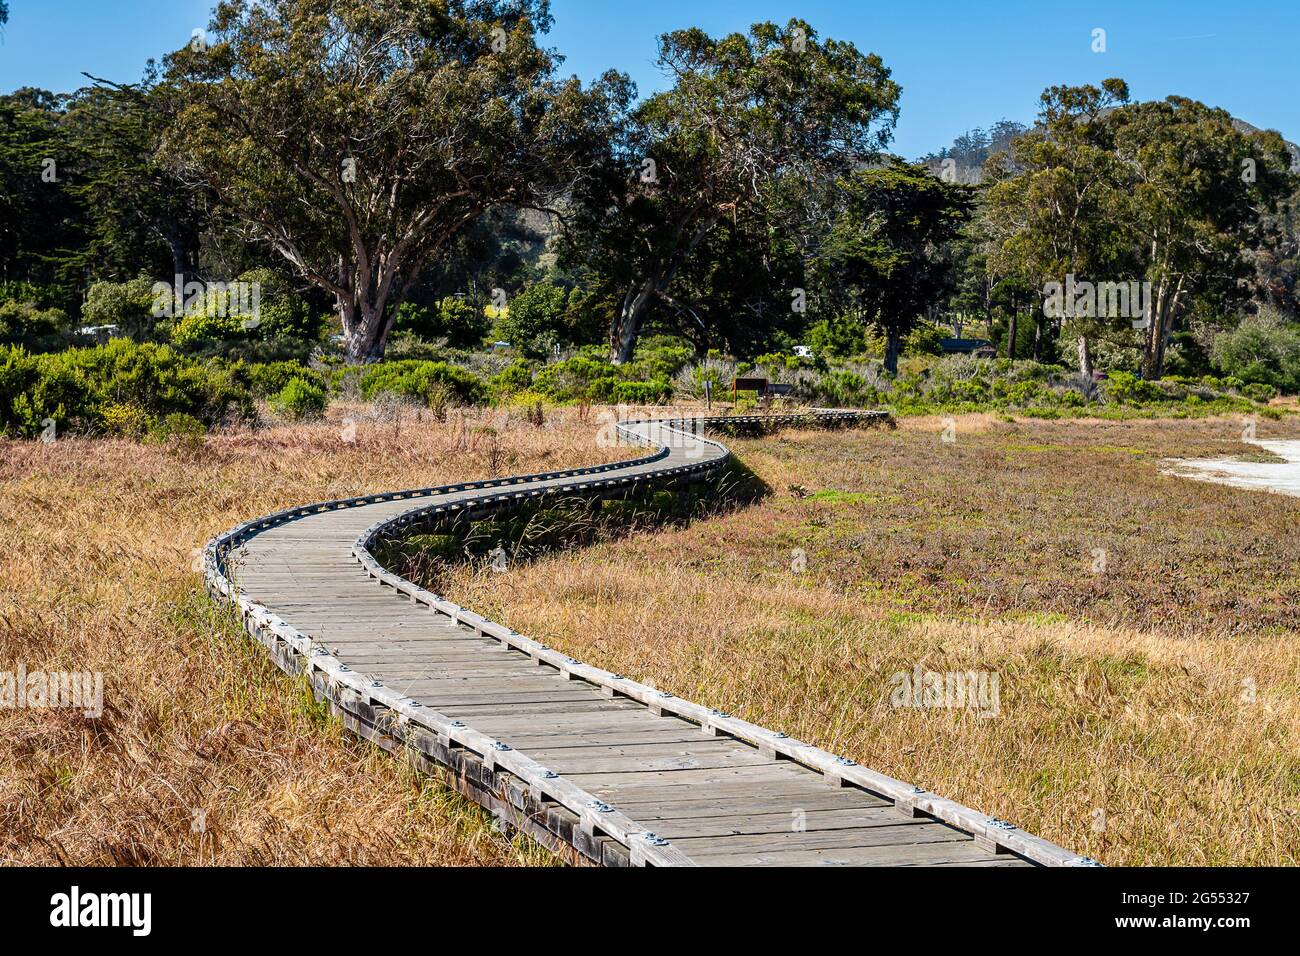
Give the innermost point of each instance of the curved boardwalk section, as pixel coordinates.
(597, 767)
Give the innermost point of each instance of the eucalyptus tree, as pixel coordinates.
(359, 138)
(1053, 204)
(746, 114)
(1197, 190)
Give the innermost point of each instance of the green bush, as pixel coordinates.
(227, 320)
(1264, 349)
(299, 400)
(839, 388)
(269, 378)
(839, 337)
(200, 327)
(577, 378)
(35, 329)
(1127, 389)
(643, 393)
(19, 373)
(429, 382)
(460, 323)
(282, 312)
(453, 318)
(586, 377)
(660, 357)
(77, 388)
(1259, 392)
(179, 431)
(536, 318)
(925, 339)
(127, 420)
(40, 295)
(514, 378)
(130, 306)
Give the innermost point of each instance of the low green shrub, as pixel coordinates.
(577, 378)
(1264, 350)
(91, 389)
(35, 329)
(535, 319)
(643, 393)
(180, 431)
(428, 382)
(265, 379)
(514, 378)
(1259, 392)
(300, 400)
(126, 420)
(659, 357)
(584, 377)
(127, 306)
(1125, 388)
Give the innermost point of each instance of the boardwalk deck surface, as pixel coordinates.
(633, 773)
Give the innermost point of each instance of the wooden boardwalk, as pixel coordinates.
(597, 767)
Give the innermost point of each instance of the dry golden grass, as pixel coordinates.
(1150, 714)
(1124, 693)
(205, 752)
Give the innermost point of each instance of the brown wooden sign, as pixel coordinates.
(749, 385)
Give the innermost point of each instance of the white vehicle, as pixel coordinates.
(803, 351)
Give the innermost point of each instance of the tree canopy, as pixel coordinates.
(359, 138)
(745, 113)
(880, 255)
(424, 167)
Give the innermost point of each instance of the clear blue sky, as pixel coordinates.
(961, 63)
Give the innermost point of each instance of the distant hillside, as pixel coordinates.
(1244, 127)
(969, 150)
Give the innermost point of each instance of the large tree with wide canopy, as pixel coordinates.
(358, 138)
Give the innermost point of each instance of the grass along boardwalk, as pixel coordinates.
(593, 766)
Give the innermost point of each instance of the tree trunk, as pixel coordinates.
(182, 257)
(1011, 332)
(988, 306)
(1151, 335)
(1164, 327)
(1085, 357)
(1161, 326)
(626, 326)
(893, 345)
(1038, 337)
(365, 332)
(178, 258)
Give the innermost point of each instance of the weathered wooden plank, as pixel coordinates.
(927, 854)
(722, 800)
(647, 759)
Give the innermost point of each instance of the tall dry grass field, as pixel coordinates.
(205, 753)
(1147, 712)
(1143, 629)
